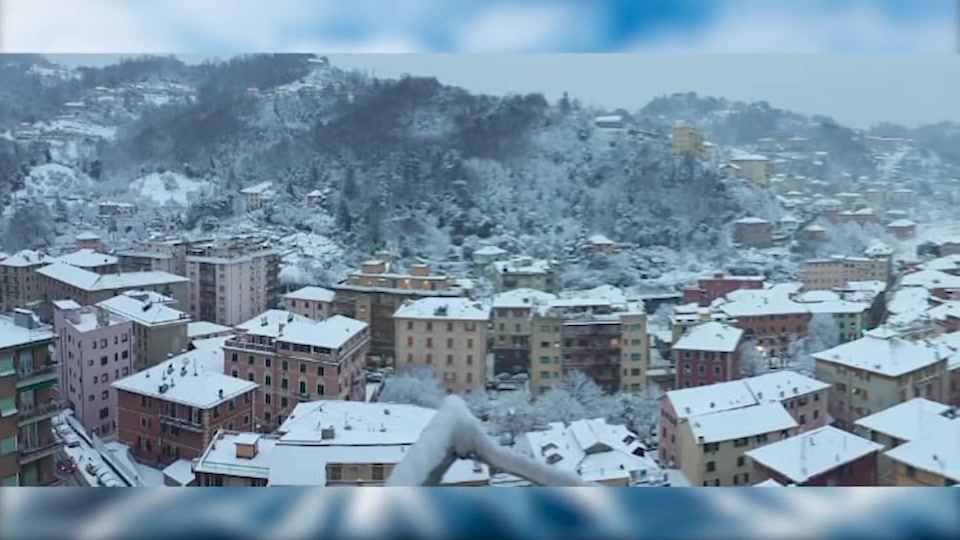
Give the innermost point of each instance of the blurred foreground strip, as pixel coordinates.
(361, 513)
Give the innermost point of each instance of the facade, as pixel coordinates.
(599, 244)
(88, 259)
(526, 273)
(28, 448)
(311, 302)
(803, 399)
(902, 229)
(89, 240)
(232, 281)
(605, 340)
(159, 330)
(19, 286)
(448, 334)
(719, 285)
(879, 371)
(825, 456)
(171, 411)
(487, 255)
(327, 443)
(687, 141)
(512, 328)
(374, 293)
(255, 196)
(706, 354)
(753, 232)
(146, 261)
(116, 210)
(931, 460)
(295, 359)
(95, 347)
(864, 216)
(754, 168)
(838, 272)
(64, 282)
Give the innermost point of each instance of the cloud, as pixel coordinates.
(528, 28)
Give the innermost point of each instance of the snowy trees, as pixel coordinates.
(30, 226)
(752, 360)
(822, 334)
(414, 384)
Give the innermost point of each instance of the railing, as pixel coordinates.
(36, 375)
(184, 423)
(44, 409)
(37, 450)
(249, 346)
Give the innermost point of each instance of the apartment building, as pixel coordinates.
(233, 280)
(707, 290)
(95, 347)
(770, 317)
(825, 456)
(753, 232)
(595, 450)
(707, 354)
(28, 448)
(487, 255)
(327, 443)
(939, 284)
(375, 292)
(607, 340)
(172, 410)
(838, 272)
(311, 302)
(448, 334)
(256, 195)
(902, 229)
(687, 316)
(598, 244)
(19, 286)
(147, 261)
(687, 141)
(159, 330)
(863, 216)
(296, 359)
(526, 273)
(60, 281)
(755, 168)
(879, 371)
(89, 240)
(512, 313)
(932, 460)
(88, 259)
(801, 398)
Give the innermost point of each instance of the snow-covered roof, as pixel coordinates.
(594, 449)
(743, 422)
(946, 310)
(26, 257)
(91, 281)
(901, 223)
(744, 156)
(143, 254)
(815, 228)
(942, 264)
(220, 457)
(523, 265)
(938, 453)
(457, 309)
(751, 303)
(864, 212)
(770, 482)
(12, 335)
(489, 251)
(194, 378)
(930, 279)
(356, 422)
(782, 384)
(315, 193)
(699, 400)
(750, 221)
(910, 420)
(180, 471)
(315, 294)
(88, 236)
(199, 329)
(813, 453)
(710, 336)
(789, 219)
(255, 189)
(609, 118)
(143, 310)
(87, 258)
(600, 240)
(817, 296)
(331, 333)
(881, 351)
(836, 306)
(948, 346)
(522, 298)
(267, 324)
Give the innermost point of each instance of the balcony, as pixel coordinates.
(39, 377)
(36, 413)
(182, 423)
(30, 452)
(236, 344)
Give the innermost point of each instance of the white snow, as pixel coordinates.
(257, 189)
(201, 329)
(813, 453)
(930, 279)
(313, 294)
(938, 453)
(881, 351)
(12, 335)
(901, 223)
(710, 336)
(180, 471)
(743, 422)
(169, 187)
(26, 257)
(267, 324)
(87, 258)
(751, 221)
(51, 180)
(712, 398)
(90, 281)
(521, 298)
(910, 420)
(454, 309)
(143, 310)
(332, 333)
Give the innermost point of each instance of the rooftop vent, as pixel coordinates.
(441, 311)
(220, 393)
(263, 321)
(327, 433)
(164, 387)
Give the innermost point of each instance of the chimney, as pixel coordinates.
(24, 318)
(280, 328)
(247, 448)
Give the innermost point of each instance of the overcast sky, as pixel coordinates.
(858, 90)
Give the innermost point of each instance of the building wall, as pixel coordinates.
(18, 286)
(833, 273)
(512, 330)
(634, 353)
(311, 309)
(456, 350)
(719, 287)
(773, 332)
(700, 368)
(160, 432)
(546, 354)
(233, 291)
(861, 472)
(52, 290)
(91, 361)
(687, 141)
(730, 466)
(907, 476)
(593, 347)
(156, 344)
(755, 170)
(753, 234)
(545, 281)
(133, 263)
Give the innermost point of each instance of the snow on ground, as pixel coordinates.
(305, 254)
(77, 128)
(51, 179)
(161, 188)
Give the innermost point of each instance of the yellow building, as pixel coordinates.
(754, 168)
(687, 141)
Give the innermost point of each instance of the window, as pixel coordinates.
(283, 402)
(816, 414)
(8, 446)
(320, 389)
(250, 360)
(303, 367)
(334, 472)
(233, 373)
(711, 466)
(469, 359)
(123, 338)
(544, 374)
(124, 355)
(303, 387)
(11, 481)
(105, 378)
(740, 461)
(266, 362)
(7, 367)
(144, 422)
(250, 376)
(911, 472)
(104, 395)
(449, 359)
(103, 343)
(377, 472)
(104, 412)
(469, 343)
(709, 447)
(701, 369)
(267, 398)
(284, 365)
(409, 325)
(284, 383)
(762, 438)
(716, 370)
(741, 442)
(91, 397)
(267, 380)
(96, 379)
(320, 371)
(104, 360)
(429, 341)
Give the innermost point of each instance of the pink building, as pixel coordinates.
(89, 240)
(709, 289)
(95, 348)
(753, 232)
(902, 229)
(707, 354)
(295, 359)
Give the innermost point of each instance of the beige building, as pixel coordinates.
(147, 261)
(232, 281)
(838, 272)
(61, 282)
(932, 460)
(255, 196)
(512, 328)
(449, 334)
(375, 292)
(18, 280)
(756, 403)
(878, 371)
(159, 330)
(687, 141)
(526, 273)
(754, 168)
(327, 443)
(311, 302)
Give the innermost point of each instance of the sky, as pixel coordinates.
(681, 42)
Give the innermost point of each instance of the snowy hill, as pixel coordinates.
(168, 188)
